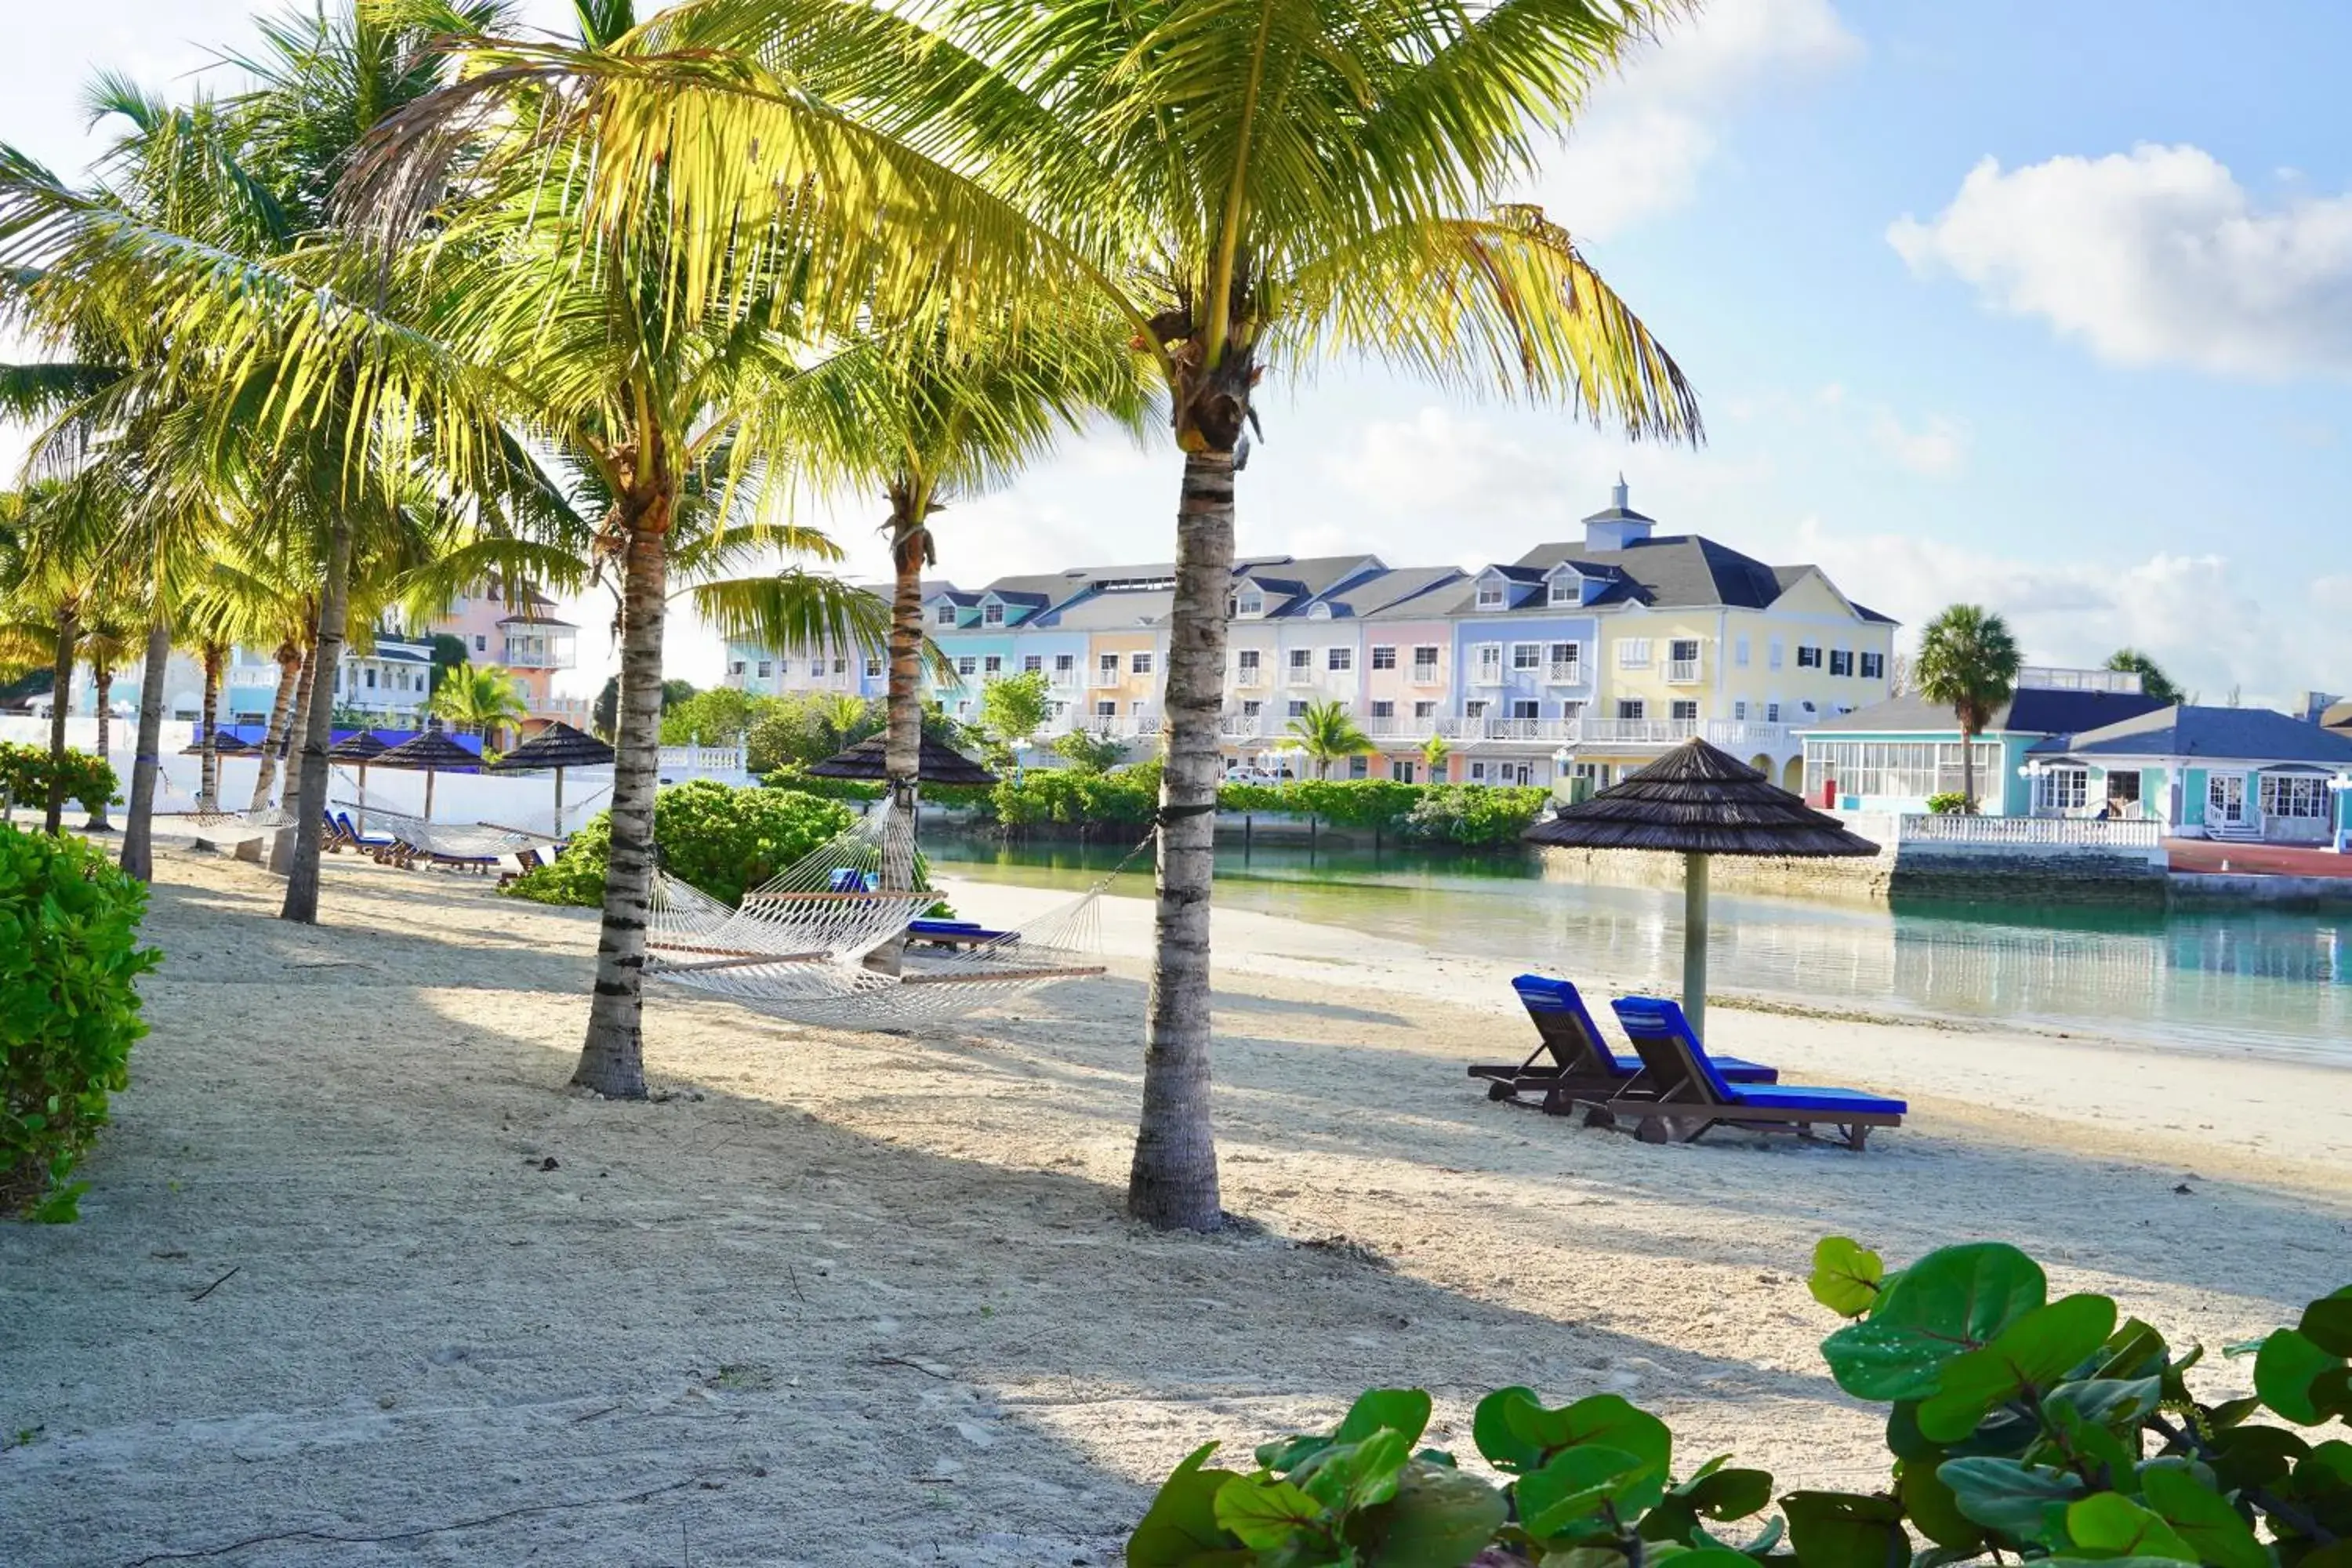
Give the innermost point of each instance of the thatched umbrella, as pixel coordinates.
(1695, 802)
(433, 752)
(362, 747)
(558, 746)
(220, 743)
(941, 764)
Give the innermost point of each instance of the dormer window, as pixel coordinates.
(992, 615)
(1249, 602)
(1490, 593)
(944, 616)
(1566, 590)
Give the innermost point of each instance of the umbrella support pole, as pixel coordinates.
(1694, 943)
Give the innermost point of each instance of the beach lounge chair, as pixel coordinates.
(1581, 1065)
(348, 833)
(1684, 1093)
(957, 933)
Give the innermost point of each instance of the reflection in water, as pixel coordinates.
(2261, 980)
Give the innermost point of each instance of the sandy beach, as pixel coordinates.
(355, 1263)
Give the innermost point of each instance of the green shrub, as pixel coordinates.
(1464, 816)
(1950, 803)
(1475, 815)
(68, 1009)
(1077, 800)
(719, 838)
(792, 777)
(25, 772)
(2017, 1429)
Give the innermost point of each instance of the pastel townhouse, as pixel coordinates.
(1289, 642)
(1523, 642)
(519, 632)
(1408, 664)
(1003, 630)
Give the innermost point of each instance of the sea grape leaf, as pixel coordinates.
(2244, 1457)
(1497, 1438)
(1954, 1301)
(1267, 1513)
(1181, 1523)
(2107, 1401)
(1570, 1488)
(1845, 1529)
(1719, 1492)
(2135, 1351)
(2327, 1323)
(2210, 1527)
(1515, 1433)
(1405, 1410)
(2032, 1353)
(2024, 1502)
(2110, 1524)
(1930, 1505)
(2288, 1372)
(1440, 1519)
(1846, 1275)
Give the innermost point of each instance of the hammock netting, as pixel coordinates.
(798, 945)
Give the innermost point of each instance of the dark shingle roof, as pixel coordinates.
(1406, 593)
(1680, 569)
(2033, 710)
(2247, 735)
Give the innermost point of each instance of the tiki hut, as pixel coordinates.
(1699, 802)
(433, 752)
(557, 747)
(941, 764)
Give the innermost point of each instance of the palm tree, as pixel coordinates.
(1434, 752)
(483, 696)
(1968, 662)
(1326, 733)
(1235, 187)
(2152, 679)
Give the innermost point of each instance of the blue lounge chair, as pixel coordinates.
(1684, 1093)
(341, 824)
(1582, 1067)
(957, 933)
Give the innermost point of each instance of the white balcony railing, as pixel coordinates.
(1427, 675)
(1681, 671)
(1568, 673)
(1635, 731)
(1254, 675)
(1744, 735)
(1956, 829)
(1107, 677)
(521, 658)
(1298, 676)
(1243, 726)
(1487, 675)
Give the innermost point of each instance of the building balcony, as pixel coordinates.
(1105, 679)
(1245, 726)
(1252, 678)
(1634, 732)
(1487, 675)
(1427, 675)
(524, 656)
(1681, 672)
(1298, 677)
(1570, 673)
(1745, 736)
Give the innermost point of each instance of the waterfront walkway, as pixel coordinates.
(2207, 854)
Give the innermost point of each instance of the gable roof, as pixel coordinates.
(1300, 583)
(2032, 710)
(2245, 734)
(1406, 593)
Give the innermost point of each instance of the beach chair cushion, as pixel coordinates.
(1553, 1003)
(1654, 1018)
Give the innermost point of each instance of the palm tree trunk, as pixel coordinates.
(1968, 771)
(213, 662)
(288, 738)
(102, 676)
(60, 689)
(612, 1058)
(139, 833)
(902, 747)
(281, 709)
(1174, 1179)
(309, 787)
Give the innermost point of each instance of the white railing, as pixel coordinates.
(1635, 731)
(1487, 675)
(2046, 678)
(1390, 727)
(1746, 734)
(1681, 671)
(1570, 673)
(573, 710)
(704, 760)
(1954, 829)
(1296, 676)
(538, 658)
(1426, 675)
(1107, 677)
(1242, 726)
(1254, 676)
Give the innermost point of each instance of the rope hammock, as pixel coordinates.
(206, 812)
(794, 948)
(450, 840)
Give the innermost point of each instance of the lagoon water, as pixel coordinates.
(2261, 981)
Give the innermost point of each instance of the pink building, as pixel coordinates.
(521, 634)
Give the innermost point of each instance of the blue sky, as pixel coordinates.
(2047, 306)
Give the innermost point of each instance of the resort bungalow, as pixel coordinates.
(1893, 755)
(2237, 774)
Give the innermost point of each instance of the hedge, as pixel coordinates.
(718, 837)
(1464, 816)
(25, 772)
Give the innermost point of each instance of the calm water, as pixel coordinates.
(2277, 983)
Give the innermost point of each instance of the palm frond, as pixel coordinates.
(795, 611)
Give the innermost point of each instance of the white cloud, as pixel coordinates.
(2157, 256)
(1641, 145)
(1938, 449)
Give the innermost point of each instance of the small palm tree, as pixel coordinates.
(2152, 679)
(1325, 732)
(482, 694)
(1969, 663)
(1434, 752)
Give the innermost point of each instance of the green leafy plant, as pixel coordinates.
(1949, 803)
(2018, 1427)
(1088, 752)
(25, 772)
(69, 959)
(718, 837)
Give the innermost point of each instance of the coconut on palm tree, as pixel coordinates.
(481, 696)
(1968, 662)
(1327, 733)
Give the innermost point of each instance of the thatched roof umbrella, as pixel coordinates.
(941, 764)
(1695, 802)
(220, 743)
(433, 752)
(558, 746)
(361, 748)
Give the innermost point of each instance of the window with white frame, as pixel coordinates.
(1424, 662)
(1478, 772)
(1874, 667)
(1527, 655)
(944, 616)
(2061, 789)
(1523, 708)
(1140, 663)
(1842, 661)
(1106, 710)
(992, 615)
(1631, 707)
(1809, 655)
(1338, 658)
(1065, 663)
(1253, 707)
(1566, 660)
(1491, 595)
(1108, 664)
(767, 668)
(1032, 664)
(1297, 708)
(1740, 709)
(2301, 795)
(1302, 659)
(1249, 602)
(1773, 654)
(736, 668)
(1245, 661)
(1474, 709)
(1567, 590)
(1686, 712)
(1383, 710)
(967, 665)
(873, 667)
(1486, 658)
(1633, 653)
(1425, 710)
(1739, 652)
(841, 667)
(481, 643)
(1771, 712)
(1384, 655)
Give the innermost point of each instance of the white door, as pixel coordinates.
(2225, 799)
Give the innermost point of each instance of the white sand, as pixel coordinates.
(862, 1299)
